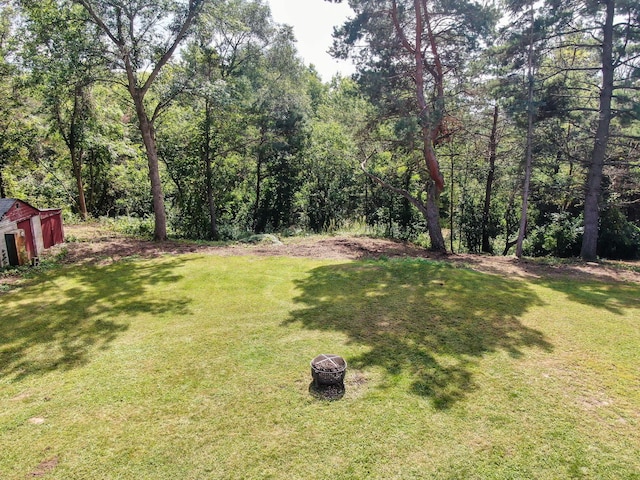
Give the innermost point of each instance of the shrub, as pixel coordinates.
(139, 227)
(618, 238)
(560, 237)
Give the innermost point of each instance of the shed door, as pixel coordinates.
(52, 230)
(12, 249)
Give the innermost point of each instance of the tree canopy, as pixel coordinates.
(466, 127)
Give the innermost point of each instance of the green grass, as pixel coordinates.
(197, 367)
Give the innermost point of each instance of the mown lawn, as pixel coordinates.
(197, 367)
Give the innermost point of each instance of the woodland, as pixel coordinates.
(504, 127)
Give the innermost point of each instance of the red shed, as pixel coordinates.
(25, 231)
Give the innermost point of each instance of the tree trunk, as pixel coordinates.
(493, 145)
(213, 229)
(509, 227)
(594, 179)
(433, 218)
(451, 201)
(76, 162)
(259, 161)
(148, 137)
(429, 131)
(72, 135)
(93, 187)
(528, 154)
(3, 191)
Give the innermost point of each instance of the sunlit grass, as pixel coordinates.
(197, 367)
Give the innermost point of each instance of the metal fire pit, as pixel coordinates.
(328, 369)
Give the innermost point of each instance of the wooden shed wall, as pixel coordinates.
(42, 229)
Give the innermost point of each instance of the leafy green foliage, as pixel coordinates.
(559, 236)
(249, 139)
(619, 238)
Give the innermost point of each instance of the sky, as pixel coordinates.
(313, 22)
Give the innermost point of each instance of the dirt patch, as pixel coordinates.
(607, 271)
(95, 245)
(91, 245)
(45, 467)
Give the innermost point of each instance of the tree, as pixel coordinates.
(64, 59)
(8, 137)
(141, 38)
(598, 154)
(610, 28)
(529, 144)
(520, 52)
(412, 47)
(486, 211)
(229, 37)
(278, 117)
(332, 192)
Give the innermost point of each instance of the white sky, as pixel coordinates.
(313, 22)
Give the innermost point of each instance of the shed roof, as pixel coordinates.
(5, 205)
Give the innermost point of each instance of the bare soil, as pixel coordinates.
(44, 467)
(92, 244)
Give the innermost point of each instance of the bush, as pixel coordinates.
(561, 236)
(139, 227)
(618, 238)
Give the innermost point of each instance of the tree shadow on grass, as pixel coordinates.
(49, 325)
(613, 297)
(423, 319)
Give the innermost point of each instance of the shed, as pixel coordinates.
(25, 231)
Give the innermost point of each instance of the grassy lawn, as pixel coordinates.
(197, 367)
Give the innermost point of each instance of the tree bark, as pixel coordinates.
(493, 145)
(509, 227)
(433, 218)
(213, 226)
(76, 162)
(148, 138)
(528, 153)
(72, 135)
(430, 128)
(594, 179)
(451, 201)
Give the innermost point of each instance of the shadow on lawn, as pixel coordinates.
(613, 297)
(423, 319)
(47, 326)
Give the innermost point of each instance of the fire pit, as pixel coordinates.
(328, 369)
